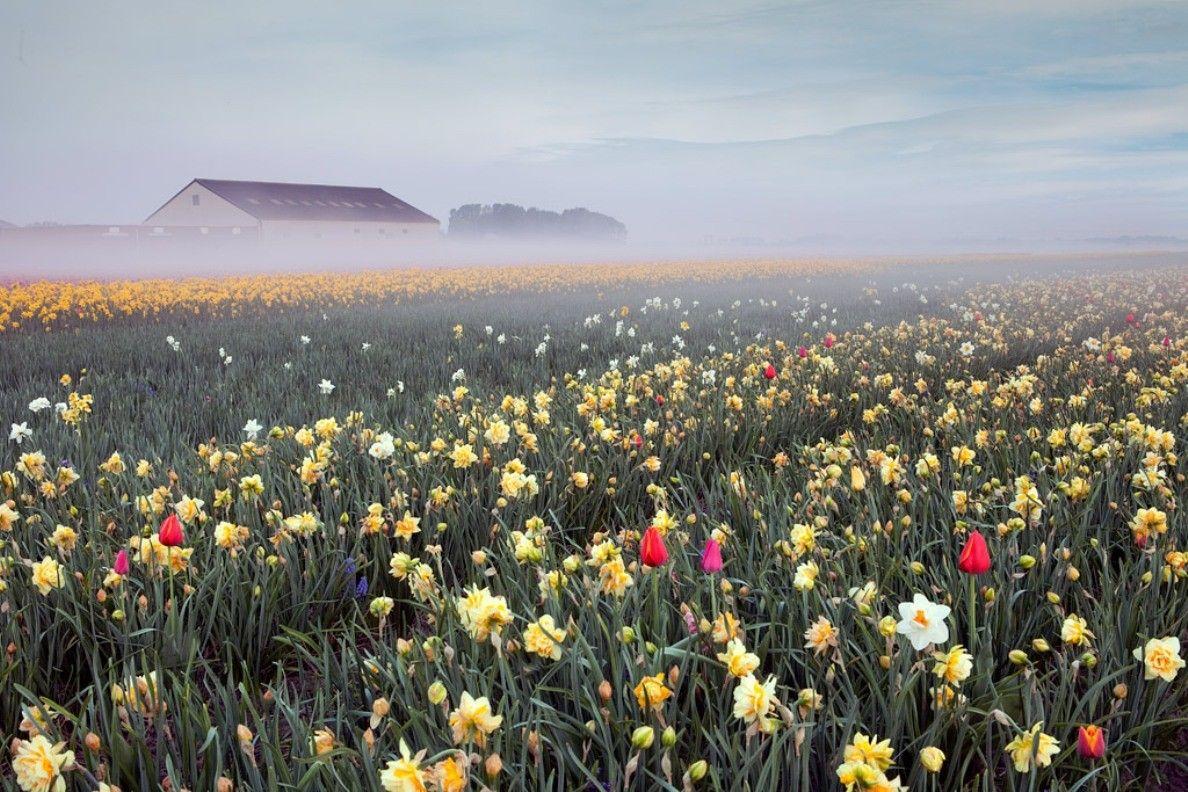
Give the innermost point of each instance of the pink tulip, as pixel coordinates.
(711, 557)
(121, 563)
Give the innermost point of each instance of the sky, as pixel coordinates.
(884, 122)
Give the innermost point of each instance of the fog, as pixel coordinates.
(710, 129)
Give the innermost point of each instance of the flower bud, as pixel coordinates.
(1041, 646)
(697, 770)
(932, 758)
(643, 737)
(437, 692)
(1018, 657)
(1026, 561)
(668, 737)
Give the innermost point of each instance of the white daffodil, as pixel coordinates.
(252, 429)
(39, 404)
(20, 432)
(326, 387)
(923, 622)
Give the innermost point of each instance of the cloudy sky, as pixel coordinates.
(856, 120)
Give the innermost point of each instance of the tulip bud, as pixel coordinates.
(652, 551)
(1091, 742)
(975, 556)
(170, 533)
(711, 557)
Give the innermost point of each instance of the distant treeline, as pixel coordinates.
(510, 220)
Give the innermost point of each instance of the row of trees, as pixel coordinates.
(510, 220)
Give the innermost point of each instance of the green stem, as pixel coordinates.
(973, 615)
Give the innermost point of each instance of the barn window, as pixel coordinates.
(195, 199)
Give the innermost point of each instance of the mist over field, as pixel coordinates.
(708, 129)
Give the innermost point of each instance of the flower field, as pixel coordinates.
(763, 526)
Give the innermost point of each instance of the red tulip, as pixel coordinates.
(660, 399)
(1091, 742)
(829, 341)
(170, 533)
(1130, 318)
(975, 556)
(638, 440)
(1110, 357)
(1166, 341)
(711, 556)
(769, 372)
(802, 352)
(121, 563)
(652, 550)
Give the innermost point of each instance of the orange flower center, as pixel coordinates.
(920, 618)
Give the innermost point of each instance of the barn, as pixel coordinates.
(279, 210)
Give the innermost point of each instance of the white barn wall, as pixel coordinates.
(359, 231)
(211, 210)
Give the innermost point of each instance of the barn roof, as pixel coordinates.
(283, 201)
